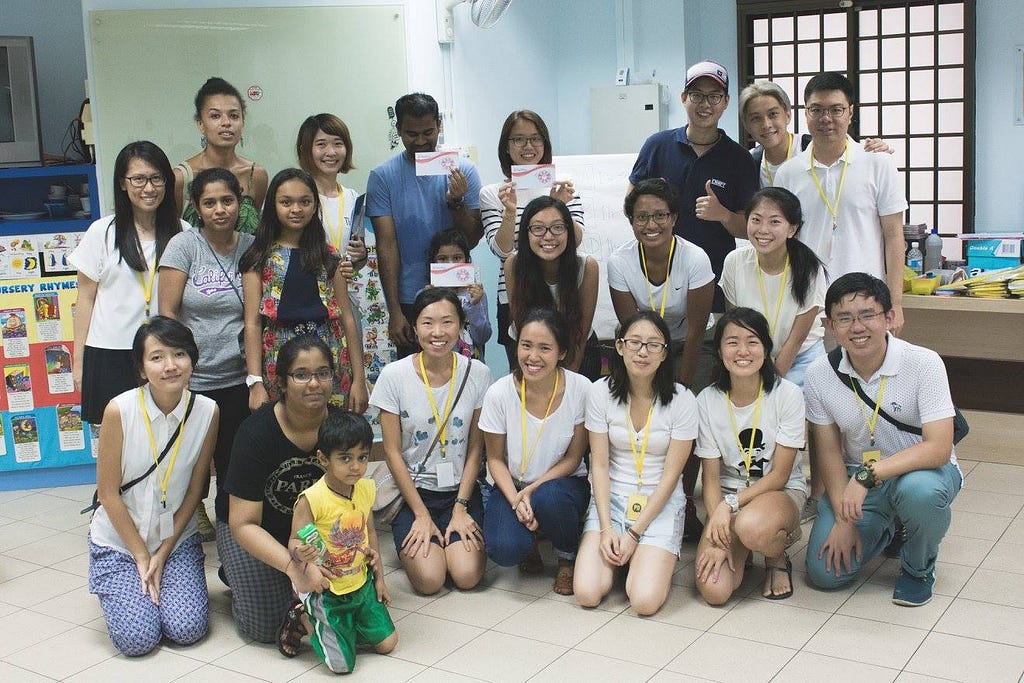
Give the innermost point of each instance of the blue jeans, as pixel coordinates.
(921, 499)
(558, 505)
(802, 360)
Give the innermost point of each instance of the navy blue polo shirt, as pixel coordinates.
(733, 174)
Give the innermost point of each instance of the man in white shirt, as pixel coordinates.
(874, 470)
(853, 201)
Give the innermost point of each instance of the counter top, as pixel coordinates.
(966, 327)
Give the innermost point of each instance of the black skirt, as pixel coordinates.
(105, 374)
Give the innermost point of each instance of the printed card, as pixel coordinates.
(533, 176)
(452, 274)
(436, 163)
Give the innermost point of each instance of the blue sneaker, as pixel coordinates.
(911, 591)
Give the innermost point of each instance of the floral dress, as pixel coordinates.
(277, 332)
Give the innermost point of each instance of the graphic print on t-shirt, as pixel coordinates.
(292, 477)
(347, 541)
(211, 281)
(757, 459)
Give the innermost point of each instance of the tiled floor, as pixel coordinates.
(514, 629)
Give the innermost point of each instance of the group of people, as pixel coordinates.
(254, 363)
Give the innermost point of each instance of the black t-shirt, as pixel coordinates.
(268, 468)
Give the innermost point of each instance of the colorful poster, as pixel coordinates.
(3, 440)
(18, 382)
(46, 306)
(19, 258)
(26, 438)
(58, 369)
(14, 332)
(55, 249)
(70, 431)
(94, 440)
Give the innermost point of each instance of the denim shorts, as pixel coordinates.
(665, 531)
(440, 505)
(802, 360)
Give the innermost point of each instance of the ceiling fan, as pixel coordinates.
(483, 13)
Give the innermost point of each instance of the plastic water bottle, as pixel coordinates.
(933, 251)
(915, 259)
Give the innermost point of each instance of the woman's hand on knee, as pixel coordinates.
(418, 538)
(465, 526)
(710, 562)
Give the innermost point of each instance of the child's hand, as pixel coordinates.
(373, 559)
(306, 552)
(476, 292)
(346, 269)
(382, 590)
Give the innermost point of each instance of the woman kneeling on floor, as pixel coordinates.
(751, 427)
(145, 554)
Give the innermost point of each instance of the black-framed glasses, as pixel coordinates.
(659, 217)
(713, 98)
(651, 346)
(139, 181)
(521, 140)
(555, 229)
(845, 320)
(323, 375)
(835, 111)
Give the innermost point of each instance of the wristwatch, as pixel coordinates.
(865, 477)
(463, 502)
(252, 379)
(732, 501)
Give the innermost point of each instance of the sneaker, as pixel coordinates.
(207, 531)
(810, 510)
(911, 591)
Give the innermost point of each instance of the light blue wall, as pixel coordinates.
(56, 29)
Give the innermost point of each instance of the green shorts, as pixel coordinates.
(341, 623)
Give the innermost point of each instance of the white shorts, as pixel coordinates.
(665, 531)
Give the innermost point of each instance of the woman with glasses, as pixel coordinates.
(642, 426)
(429, 406)
(751, 429)
(220, 119)
(546, 272)
(273, 459)
(117, 262)
(524, 140)
(661, 272)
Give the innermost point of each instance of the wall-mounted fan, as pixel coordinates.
(484, 13)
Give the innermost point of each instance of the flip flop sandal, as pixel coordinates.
(771, 581)
(289, 637)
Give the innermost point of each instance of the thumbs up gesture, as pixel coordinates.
(709, 208)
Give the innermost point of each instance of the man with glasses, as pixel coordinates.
(715, 178)
(874, 470)
(853, 201)
(407, 210)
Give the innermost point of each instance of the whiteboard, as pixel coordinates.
(601, 181)
(148, 65)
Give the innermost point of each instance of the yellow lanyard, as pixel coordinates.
(665, 285)
(746, 451)
(527, 455)
(834, 210)
(638, 458)
(152, 445)
(442, 423)
(873, 420)
(767, 171)
(335, 237)
(764, 297)
(147, 289)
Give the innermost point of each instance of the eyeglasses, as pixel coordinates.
(651, 346)
(323, 375)
(139, 181)
(834, 112)
(846, 320)
(555, 229)
(659, 217)
(714, 98)
(521, 140)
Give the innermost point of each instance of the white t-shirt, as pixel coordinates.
(741, 288)
(606, 415)
(916, 392)
(399, 390)
(872, 188)
(120, 303)
(491, 209)
(690, 269)
(143, 499)
(329, 210)
(502, 414)
(781, 422)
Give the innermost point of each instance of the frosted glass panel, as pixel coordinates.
(894, 21)
(894, 86)
(922, 85)
(922, 120)
(951, 48)
(894, 53)
(921, 186)
(951, 117)
(922, 18)
(835, 25)
(922, 151)
(868, 117)
(869, 54)
(922, 50)
(835, 56)
(782, 59)
(922, 213)
(951, 151)
(868, 22)
(761, 60)
(894, 120)
(760, 30)
(868, 88)
(951, 218)
(951, 84)
(809, 57)
(951, 184)
(808, 27)
(951, 17)
(782, 29)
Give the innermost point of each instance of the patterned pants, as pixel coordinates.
(260, 595)
(135, 624)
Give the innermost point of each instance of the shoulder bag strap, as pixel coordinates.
(222, 268)
(437, 436)
(834, 357)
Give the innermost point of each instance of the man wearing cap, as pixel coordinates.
(715, 177)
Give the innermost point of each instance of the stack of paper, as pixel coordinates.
(997, 284)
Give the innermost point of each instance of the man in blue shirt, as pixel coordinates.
(407, 210)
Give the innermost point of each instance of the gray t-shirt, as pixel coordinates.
(210, 306)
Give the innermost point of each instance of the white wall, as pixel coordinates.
(56, 29)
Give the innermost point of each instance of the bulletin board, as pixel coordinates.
(288, 63)
(40, 411)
